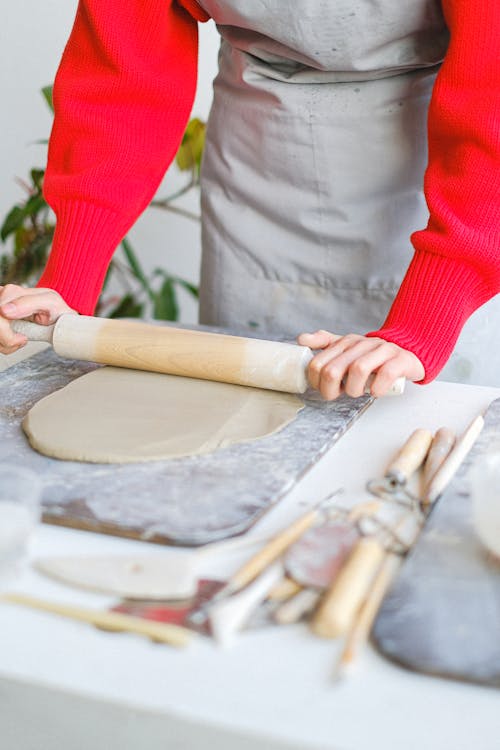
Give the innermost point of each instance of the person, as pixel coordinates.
(312, 173)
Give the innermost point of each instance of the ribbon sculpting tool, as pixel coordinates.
(393, 485)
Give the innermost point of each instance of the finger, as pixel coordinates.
(334, 372)
(10, 292)
(405, 364)
(320, 360)
(364, 365)
(44, 304)
(318, 339)
(10, 341)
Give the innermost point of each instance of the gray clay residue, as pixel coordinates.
(192, 500)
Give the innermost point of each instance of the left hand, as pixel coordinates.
(345, 363)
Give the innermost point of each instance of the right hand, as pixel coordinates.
(42, 306)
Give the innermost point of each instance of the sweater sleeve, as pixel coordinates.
(122, 98)
(456, 265)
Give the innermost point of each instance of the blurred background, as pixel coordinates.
(32, 39)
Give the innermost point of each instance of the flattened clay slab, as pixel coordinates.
(115, 415)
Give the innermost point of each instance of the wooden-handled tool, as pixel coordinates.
(410, 457)
(341, 603)
(196, 354)
(273, 365)
(174, 635)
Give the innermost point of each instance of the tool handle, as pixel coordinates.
(454, 460)
(271, 551)
(341, 602)
(442, 443)
(297, 606)
(171, 634)
(361, 628)
(33, 331)
(410, 457)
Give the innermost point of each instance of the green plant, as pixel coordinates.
(29, 227)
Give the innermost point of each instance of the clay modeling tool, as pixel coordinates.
(297, 607)
(172, 575)
(362, 626)
(284, 589)
(440, 454)
(317, 557)
(176, 351)
(266, 556)
(453, 461)
(442, 443)
(164, 633)
(229, 615)
(341, 603)
(393, 485)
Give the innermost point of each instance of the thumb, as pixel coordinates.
(318, 339)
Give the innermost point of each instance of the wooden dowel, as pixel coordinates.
(174, 635)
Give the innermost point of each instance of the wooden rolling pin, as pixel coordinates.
(196, 354)
(273, 365)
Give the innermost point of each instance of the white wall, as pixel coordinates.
(32, 38)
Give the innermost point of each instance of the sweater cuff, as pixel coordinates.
(437, 296)
(85, 239)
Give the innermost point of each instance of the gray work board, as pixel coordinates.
(190, 501)
(442, 615)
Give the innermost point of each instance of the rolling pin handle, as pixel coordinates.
(33, 331)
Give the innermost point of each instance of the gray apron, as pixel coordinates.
(316, 149)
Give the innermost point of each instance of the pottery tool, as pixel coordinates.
(341, 603)
(273, 365)
(227, 616)
(453, 461)
(393, 485)
(442, 443)
(441, 463)
(315, 560)
(172, 575)
(271, 552)
(173, 635)
(442, 614)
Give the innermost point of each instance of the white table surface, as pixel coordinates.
(67, 685)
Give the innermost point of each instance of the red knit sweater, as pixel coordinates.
(123, 94)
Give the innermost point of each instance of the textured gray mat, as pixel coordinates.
(442, 615)
(192, 500)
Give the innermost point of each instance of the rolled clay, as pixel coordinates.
(115, 415)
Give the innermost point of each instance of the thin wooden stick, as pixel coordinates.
(174, 635)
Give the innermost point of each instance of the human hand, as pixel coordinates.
(345, 363)
(43, 306)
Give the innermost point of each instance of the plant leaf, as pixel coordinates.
(191, 149)
(165, 304)
(13, 221)
(128, 307)
(136, 268)
(47, 92)
(191, 288)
